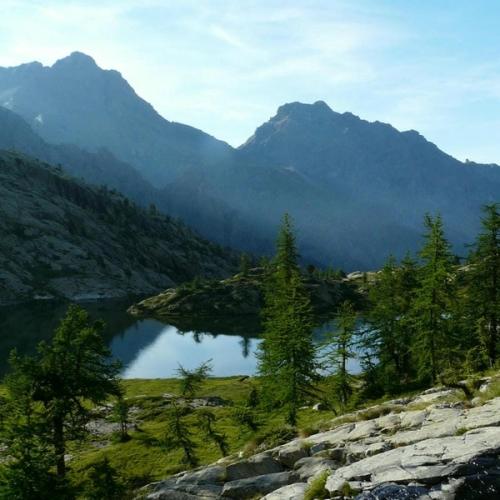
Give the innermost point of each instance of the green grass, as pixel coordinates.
(317, 487)
(143, 458)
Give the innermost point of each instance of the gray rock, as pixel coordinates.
(319, 407)
(395, 492)
(310, 466)
(209, 475)
(259, 485)
(426, 461)
(293, 491)
(186, 492)
(292, 452)
(258, 465)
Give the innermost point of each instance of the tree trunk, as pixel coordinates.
(59, 446)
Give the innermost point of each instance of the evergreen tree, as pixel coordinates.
(433, 303)
(389, 332)
(178, 434)
(104, 482)
(338, 349)
(484, 283)
(120, 414)
(28, 474)
(57, 384)
(192, 380)
(287, 354)
(206, 420)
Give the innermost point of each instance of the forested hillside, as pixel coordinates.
(63, 238)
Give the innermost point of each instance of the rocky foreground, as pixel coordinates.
(433, 446)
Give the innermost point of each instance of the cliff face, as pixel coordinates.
(60, 238)
(434, 445)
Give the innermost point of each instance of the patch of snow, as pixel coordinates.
(9, 103)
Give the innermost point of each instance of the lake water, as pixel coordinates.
(147, 348)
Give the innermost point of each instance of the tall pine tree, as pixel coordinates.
(484, 283)
(433, 303)
(287, 354)
(338, 349)
(389, 332)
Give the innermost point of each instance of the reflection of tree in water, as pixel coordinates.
(246, 344)
(246, 327)
(243, 326)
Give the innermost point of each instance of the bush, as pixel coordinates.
(316, 488)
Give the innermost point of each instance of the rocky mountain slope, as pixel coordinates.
(76, 102)
(62, 238)
(431, 446)
(357, 190)
(98, 168)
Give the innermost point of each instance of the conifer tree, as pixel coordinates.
(179, 435)
(433, 303)
(338, 350)
(206, 420)
(389, 332)
(191, 381)
(287, 354)
(104, 482)
(59, 382)
(484, 283)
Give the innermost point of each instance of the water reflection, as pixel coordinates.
(147, 348)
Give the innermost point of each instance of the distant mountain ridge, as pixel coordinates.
(76, 102)
(358, 190)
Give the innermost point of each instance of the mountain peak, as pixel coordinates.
(76, 60)
(303, 108)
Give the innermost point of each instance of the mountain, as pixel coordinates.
(357, 190)
(60, 237)
(380, 181)
(99, 168)
(76, 102)
(213, 217)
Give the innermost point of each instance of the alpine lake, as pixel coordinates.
(147, 348)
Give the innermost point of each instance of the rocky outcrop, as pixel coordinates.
(239, 295)
(425, 447)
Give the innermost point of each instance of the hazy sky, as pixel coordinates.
(225, 66)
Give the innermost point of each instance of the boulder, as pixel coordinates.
(258, 465)
(309, 466)
(258, 485)
(293, 491)
(289, 454)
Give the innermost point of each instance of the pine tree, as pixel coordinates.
(192, 380)
(287, 354)
(104, 482)
(338, 349)
(28, 474)
(120, 414)
(484, 283)
(206, 420)
(178, 434)
(389, 332)
(433, 303)
(58, 383)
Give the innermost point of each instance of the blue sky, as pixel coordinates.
(225, 66)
